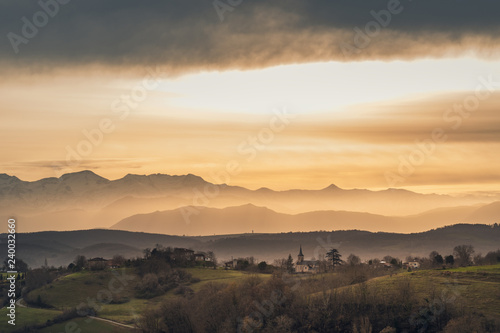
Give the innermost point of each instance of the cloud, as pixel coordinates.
(352, 149)
(402, 122)
(188, 35)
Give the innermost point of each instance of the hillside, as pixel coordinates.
(429, 298)
(247, 218)
(82, 285)
(362, 243)
(486, 213)
(231, 220)
(475, 288)
(60, 248)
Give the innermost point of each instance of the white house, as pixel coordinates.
(414, 264)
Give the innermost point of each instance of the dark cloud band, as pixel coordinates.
(221, 34)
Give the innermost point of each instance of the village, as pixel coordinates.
(182, 257)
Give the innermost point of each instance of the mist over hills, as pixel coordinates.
(60, 248)
(84, 200)
(194, 221)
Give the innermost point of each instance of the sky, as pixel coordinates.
(295, 94)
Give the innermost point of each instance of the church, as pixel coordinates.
(306, 266)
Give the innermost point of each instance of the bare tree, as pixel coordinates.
(353, 260)
(464, 253)
(80, 262)
(289, 264)
(280, 263)
(118, 260)
(147, 253)
(387, 258)
(492, 257)
(479, 259)
(213, 258)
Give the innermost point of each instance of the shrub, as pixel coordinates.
(194, 280)
(183, 290)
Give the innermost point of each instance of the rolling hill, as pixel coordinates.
(60, 248)
(247, 218)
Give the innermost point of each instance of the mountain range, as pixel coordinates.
(85, 200)
(248, 218)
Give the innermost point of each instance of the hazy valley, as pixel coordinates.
(188, 205)
(60, 248)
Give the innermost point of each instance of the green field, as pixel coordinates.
(476, 287)
(86, 325)
(219, 275)
(26, 317)
(126, 312)
(75, 289)
(32, 316)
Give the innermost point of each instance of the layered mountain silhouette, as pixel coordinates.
(249, 218)
(85, 200)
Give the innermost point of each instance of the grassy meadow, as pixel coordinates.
(476, 287)
(75, 289)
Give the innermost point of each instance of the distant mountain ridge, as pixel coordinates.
(84, 199)
(195, 221)
(89, 188)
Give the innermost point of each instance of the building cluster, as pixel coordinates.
(176, 255)
(101, 263)
(314, 266)
(200, 258)
(190, 255)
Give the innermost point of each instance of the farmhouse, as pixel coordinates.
(305, 266)
(385, 264)
(97, 263)
(231, 264)
(202, 256)
(414, 264)
(183, 254)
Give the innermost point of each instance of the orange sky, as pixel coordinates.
(353, 128)
(291, 94)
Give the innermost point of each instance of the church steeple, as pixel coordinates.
(300, 256)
